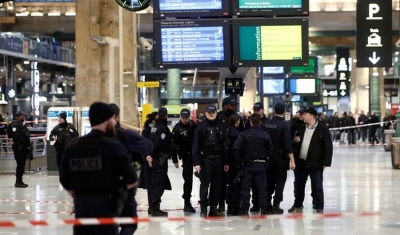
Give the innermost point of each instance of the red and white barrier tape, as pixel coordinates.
(38, 121)
(35, 201)
(359, 126)
(132, 220)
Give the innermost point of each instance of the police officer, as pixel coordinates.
(91, 169)
(136, 146)
(209, 160)
(158, 160)
(278, 162)
(21, 146)
(182, 136)
(257, 146)
(62, 134)
(258, 108)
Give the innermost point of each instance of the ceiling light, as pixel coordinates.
(26, 62)
(37, 13)
(26, 13)
(54, 14)
(366, 87)
(70, 14)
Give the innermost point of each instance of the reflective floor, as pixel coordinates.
(361, 180)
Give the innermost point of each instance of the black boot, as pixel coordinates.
(188, 207)
(243, 212)
(156, 212)
(235, 211)
(203, 211)
(214, 212)
(20, 184)
(255, 209)
(221, 207)
(277, 210)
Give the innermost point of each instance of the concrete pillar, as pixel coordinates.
(101, 18)
(174, 87)
(250, 94)
(374, 91)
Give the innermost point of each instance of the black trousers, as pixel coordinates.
(94, 207)
(254, 172)
(301, 175)
(160, 177)
(222, 192)
(129, 210)
(20, 156)
(187, 174)
(148, 178)
(233, 191)
(372, 135)
(210, 181)
(60, 154)
(277, 175)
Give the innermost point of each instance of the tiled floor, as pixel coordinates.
(361, 180)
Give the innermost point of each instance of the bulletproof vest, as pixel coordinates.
(275, 132)
(186, 133)
(153, 132)
(64, 135)
(90, 170)
(255, 147)
(212, 141)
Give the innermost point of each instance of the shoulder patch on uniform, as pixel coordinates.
(14, 129)
(163, 136)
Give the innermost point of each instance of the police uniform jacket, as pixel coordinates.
(182, 136)
(279, 132)
(20, 133)
(199, 138)
(93, 164)
(134, 143)
(234, 134)
(320, 150)
(162, 139)
(264, 119)
(223, 118)
(64, 134)
(255, 142)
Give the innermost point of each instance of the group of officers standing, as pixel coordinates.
(230, 159)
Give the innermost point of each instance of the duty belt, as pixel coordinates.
(211, 157)
(258, 161)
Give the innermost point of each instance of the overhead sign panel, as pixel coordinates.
(374, 33)
(343, 71)
(270, 8)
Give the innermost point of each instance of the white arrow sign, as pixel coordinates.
(343, 93)
(374, 59)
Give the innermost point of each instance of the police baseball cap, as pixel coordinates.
(279, 108)
(185, 113)
(19, 113)
(311, 111)
(258, 106)
(211, 108)
(301, 111)
(229, 100)
(163, 111)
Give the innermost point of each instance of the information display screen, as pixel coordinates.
(270, 7)
(302, 85)
(186, 8)
(311, 68)
(273, 86)
(270, 42)
(273, 70)
(192, 43)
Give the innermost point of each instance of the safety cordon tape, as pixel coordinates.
(38, 121)
(35, 201)
(364, 125)
(134, 220)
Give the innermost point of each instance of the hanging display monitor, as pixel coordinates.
(270, 42)
(190, 8)
(273, 70)
(192, 43)
(302, 86)
(310, 69)
(273, 86)
(270, 7)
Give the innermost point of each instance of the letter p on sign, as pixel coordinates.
(373, 9)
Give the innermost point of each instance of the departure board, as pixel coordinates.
(273, 86)
(262, 4)
(192, 44)
(270, 7)
(302, 86)
(184, 5)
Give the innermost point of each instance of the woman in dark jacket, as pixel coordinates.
(145, 177)
(233, 191)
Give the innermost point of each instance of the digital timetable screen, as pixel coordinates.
(270, 7)
(186, 8)
(311, 68)
(187, 43)
(270, 42)
(302, 86)
(273, 86)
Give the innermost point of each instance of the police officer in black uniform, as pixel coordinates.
(158, 159)
(63, 133)
(209, 160)
(21, 146)
(258, 108)
(182, 136)
(91, 169)
(278, 161)
(257, 146)
(136, 146)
